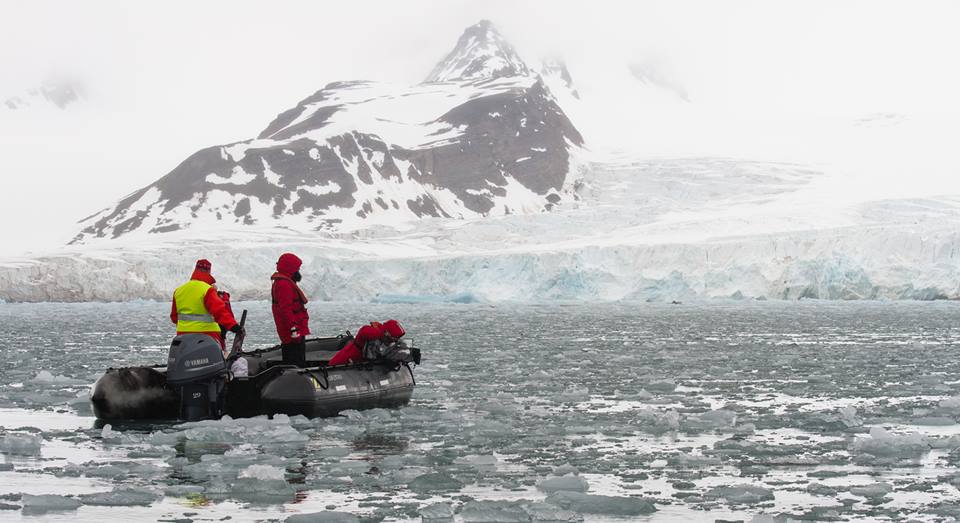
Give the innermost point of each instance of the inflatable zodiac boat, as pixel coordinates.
(197, 383)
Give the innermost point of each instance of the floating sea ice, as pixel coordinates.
(872, 491)
(566, 468)
(488, 511)
(264, 490)
(401, 477)
(45, 377)
(848, 416)
(748, 494)
(163, 438)
(262, 472)
(497, 407)
(483, 463)
(781, 518)
(567, 482)
(348, 467)
(245, 449)
(934, 421)
(950, 405)
(883, 444)
(952, 442)
(47, 503)
(437, 513)
(573, 394)
(182, 491)
(114, 469)
(121, 497)
(434, 482)
(666, 385)
(494, 429)
(108, 434)
(43, 399)
(692, 461)
(81, 403)
(21, 444)
(930, 379)
(766, 518)
(227, 430)
(369, 415)
(301, 421)
(220, 466)
(656, 422)
(845, 418)
(328, 516)
(546, 512)
(595, 504)
(715, 419)
(819, 489)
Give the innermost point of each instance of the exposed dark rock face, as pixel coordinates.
(522, 141)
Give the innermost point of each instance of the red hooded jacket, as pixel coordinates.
(215, 306)
(289, 302)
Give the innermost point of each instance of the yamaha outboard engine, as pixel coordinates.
(197, 370)
(395, 352)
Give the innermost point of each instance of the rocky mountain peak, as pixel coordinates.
(481, 52)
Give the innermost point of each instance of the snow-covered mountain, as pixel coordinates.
(481, 53)
(437, 191)
(482, 136)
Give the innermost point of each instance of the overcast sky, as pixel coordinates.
(163, 79)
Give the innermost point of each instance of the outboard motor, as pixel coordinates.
(197, 370)
(395, 352)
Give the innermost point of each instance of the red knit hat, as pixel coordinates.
(288, 263)
(203, 265)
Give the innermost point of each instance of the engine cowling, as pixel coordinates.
(197, 370)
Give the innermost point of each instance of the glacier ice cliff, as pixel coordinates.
(881, 262)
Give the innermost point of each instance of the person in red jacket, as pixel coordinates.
(225, 297)
(197, 308)
(290, 310)
(388, 332)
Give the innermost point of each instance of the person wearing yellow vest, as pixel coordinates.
(198, 309)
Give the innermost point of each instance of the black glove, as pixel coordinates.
(236, 329)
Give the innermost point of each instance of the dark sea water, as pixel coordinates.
(562, 412)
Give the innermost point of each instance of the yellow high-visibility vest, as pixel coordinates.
(192, 314)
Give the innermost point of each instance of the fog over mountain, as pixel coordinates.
(753, 150)
(58, 92)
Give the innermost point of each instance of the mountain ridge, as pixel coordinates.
(491, 141)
